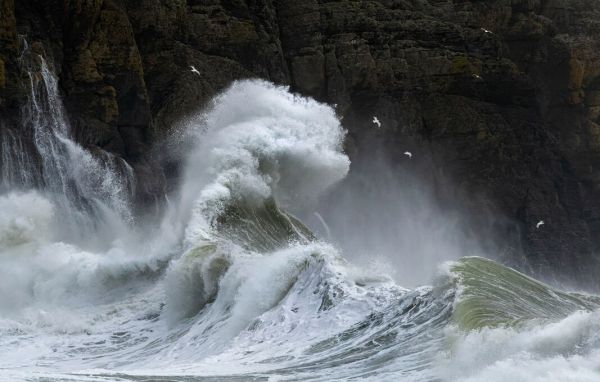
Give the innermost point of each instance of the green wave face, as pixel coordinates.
(492, 295)
(262, 228)
(257, 228)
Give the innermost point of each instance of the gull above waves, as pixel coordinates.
(194, 70)
(408, 154)
(376, 121)
(539, 224)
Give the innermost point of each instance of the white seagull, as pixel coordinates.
(486, 30)
(408, 154)
(376, 121)
(194, 70)
(539, 224)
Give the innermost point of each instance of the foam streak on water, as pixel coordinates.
(230, 286)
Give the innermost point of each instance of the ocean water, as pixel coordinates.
(226, 284)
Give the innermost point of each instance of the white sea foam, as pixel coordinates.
(25, 219)
(567, 350)
(256, 141)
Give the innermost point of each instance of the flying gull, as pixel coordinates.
(376, 121)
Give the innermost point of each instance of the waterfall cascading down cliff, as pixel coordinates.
(87, 188)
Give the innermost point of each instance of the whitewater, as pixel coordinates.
(226, 283)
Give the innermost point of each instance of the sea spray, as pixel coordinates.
(92, 192)
(251, 156)
(258, 141)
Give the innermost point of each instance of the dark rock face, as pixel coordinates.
(503, 96)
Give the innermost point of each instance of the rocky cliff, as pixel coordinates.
(503, 96)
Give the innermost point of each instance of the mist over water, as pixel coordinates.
(385, 216)
(228, 283)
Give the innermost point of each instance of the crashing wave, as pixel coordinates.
(492, 295)
(232, 286)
